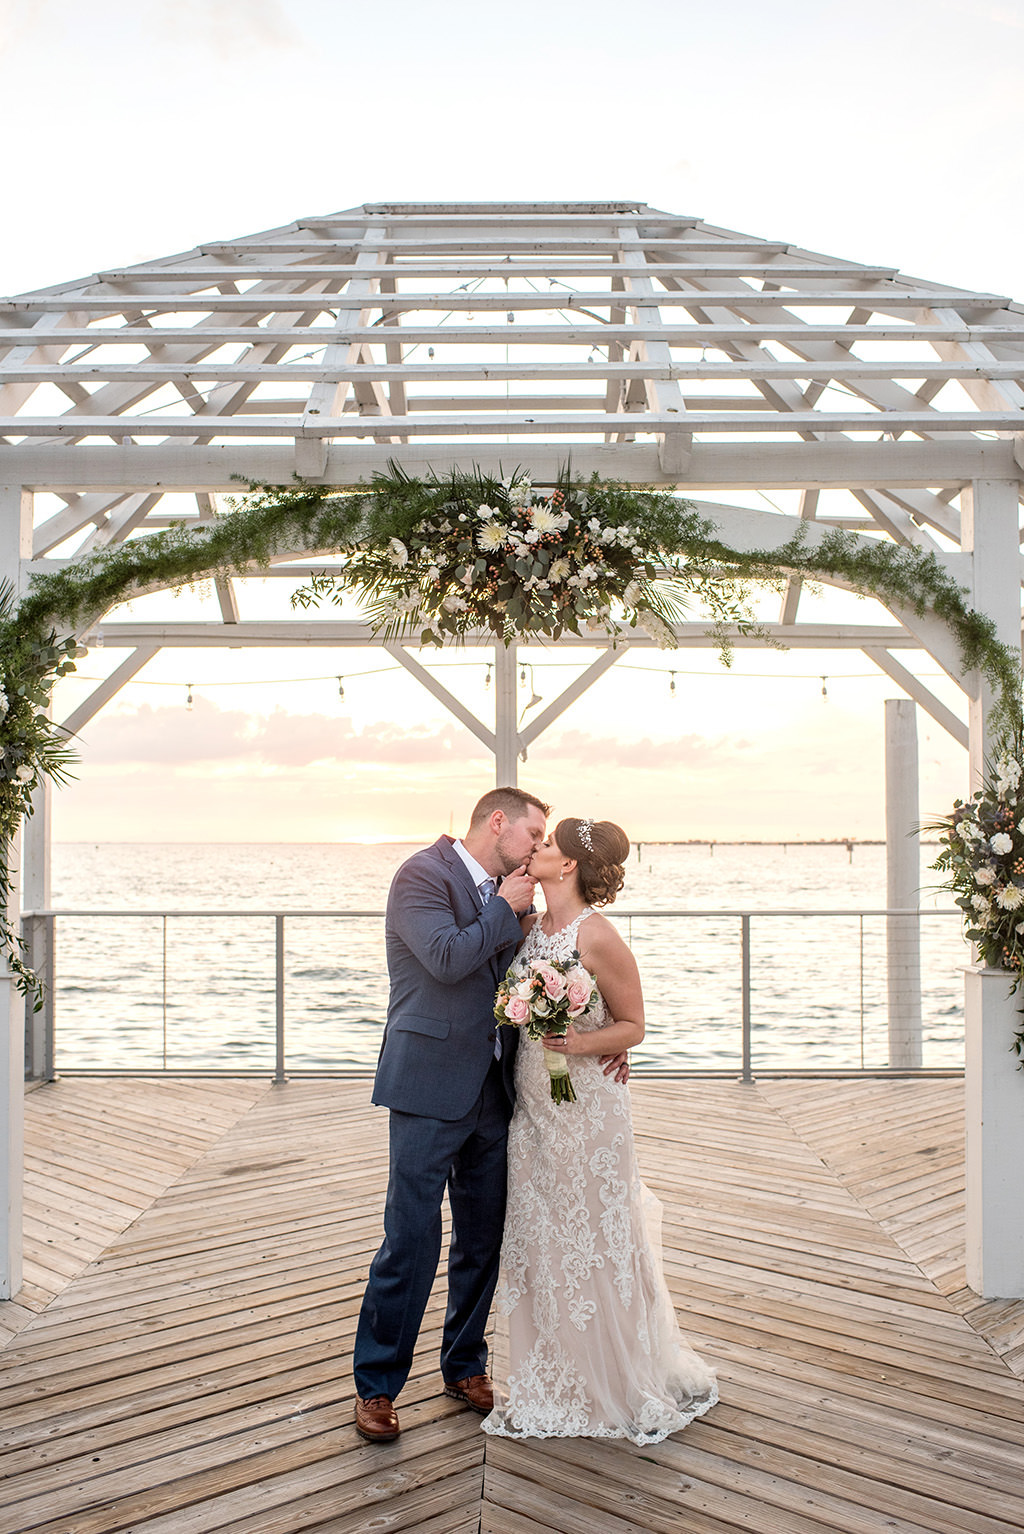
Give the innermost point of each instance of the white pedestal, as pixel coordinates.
(995, 1136)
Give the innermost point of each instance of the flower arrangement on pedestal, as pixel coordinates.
(983, 858)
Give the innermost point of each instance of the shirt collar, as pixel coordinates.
(476, 872)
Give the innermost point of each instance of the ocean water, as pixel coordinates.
(198, 990)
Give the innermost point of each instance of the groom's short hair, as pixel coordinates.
(512, 802)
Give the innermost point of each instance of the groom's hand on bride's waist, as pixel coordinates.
(517, 888)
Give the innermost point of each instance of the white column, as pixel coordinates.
(995, 1090)
(506, 751)
(995, 1137)
(15, 545)
(903, 880)
(989, 521)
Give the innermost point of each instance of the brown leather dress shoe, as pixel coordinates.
(476, 1391)
(376, 1419)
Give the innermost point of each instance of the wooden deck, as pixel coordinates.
(179, 1360)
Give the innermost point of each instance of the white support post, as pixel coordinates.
(15, 546)
(506, 752)
(994, 1088)
(990, 534)
(903, 880)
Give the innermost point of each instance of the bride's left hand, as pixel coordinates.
(568, 1043)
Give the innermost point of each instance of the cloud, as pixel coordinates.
(175, 737)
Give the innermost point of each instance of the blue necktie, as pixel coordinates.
(487, 889)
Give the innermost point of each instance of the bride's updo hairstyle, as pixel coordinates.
(600, 848)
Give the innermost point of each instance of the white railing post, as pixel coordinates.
(903, 882)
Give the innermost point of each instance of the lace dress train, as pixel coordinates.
(594, 1349)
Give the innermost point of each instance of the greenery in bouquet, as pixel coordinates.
(983, 859)
(442, 557)
(543, 997)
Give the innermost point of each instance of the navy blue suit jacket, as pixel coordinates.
(447, 953)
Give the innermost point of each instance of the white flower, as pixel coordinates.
(660, 632)
(559, 569)
(4, 705)
(485, 512)
(26, 774)
(1010, 898)
(521, 494)
(593, 526)
(631, 595)
(982, 906)
(1008, 774)
(544, 519)
(610, 535)
(454, 604)
(1001, 843)
(433, 574)
(398, 553)
(490, 537)
(985, 876)
(532, 536)
(522, 550)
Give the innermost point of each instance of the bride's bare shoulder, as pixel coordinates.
(598, 935)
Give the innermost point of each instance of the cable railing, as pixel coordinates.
(304, 992)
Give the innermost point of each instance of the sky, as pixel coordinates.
(885, 134)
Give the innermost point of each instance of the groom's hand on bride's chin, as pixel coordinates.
(517, 888)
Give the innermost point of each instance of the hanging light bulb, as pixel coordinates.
(341, 687)
(188, 700)
(672, 684)
(487, 678)
(522, 676)
(824, 689)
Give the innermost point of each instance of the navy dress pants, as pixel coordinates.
(468, 1156)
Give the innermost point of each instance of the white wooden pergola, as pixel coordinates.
(652, 348)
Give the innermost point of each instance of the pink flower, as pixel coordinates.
(517, 1010)
(552, 981)
(578, 996)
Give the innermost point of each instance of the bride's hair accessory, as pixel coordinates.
(583, 830)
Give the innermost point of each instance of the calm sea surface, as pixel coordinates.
(199, 991)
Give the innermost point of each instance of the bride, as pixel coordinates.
(593, 1345)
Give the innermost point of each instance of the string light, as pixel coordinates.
(487, 678)
(672, 684)
(188, 700)
(341, 687)
(824, 688)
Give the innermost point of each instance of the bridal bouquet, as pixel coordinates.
(545, 997)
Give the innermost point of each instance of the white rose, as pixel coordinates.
(485, 512)
(1010, 898)
(982, 906)
(4, 705)
(26, 774)
(985, 876)
(453, 604)
(1001, 843)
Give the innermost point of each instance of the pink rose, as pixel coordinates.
(549, 977)
(578, 996)
(517, 1010)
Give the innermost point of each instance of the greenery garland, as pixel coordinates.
(440, 557)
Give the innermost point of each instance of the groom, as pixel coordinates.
(446, 1074)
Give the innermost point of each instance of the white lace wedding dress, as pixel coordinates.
(593, 1346)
